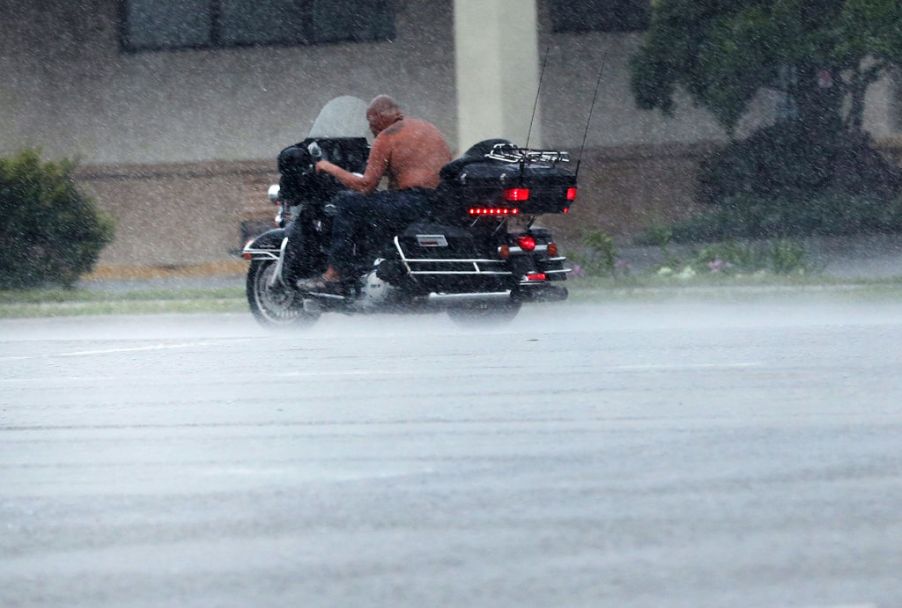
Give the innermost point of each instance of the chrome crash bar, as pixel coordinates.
(476, 262)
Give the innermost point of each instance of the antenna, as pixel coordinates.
(591, 109)
(535, 104)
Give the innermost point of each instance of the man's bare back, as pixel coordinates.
(410, 151)
(414, 153)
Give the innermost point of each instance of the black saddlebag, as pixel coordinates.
(479, 182)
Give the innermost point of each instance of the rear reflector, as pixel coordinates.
(516, 194)
(494, 211)
(536, 276)
(571, 193)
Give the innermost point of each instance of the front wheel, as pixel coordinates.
(485, 313)
(276, 306)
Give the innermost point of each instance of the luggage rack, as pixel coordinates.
(510, 153)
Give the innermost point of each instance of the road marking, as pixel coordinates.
(45, 379)
(843, 606)
(340, 373)
(113, 351)
(685, 366)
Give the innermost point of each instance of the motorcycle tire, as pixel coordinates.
(276, 306)
(485, 313)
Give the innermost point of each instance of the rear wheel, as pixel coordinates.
(276, 306)
(485, 313)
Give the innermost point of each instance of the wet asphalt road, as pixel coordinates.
(739, 454)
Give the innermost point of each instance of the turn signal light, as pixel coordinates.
(504, 251)
(571, 193)
(247, 255)
(516, 194)
(526, 243)
(494, 211)
(552, 250)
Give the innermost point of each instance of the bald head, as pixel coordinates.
(382, 112)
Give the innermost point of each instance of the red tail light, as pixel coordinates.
(494, 211)
(516, 194)
(571, 193)
(526, 243)
(536, 276)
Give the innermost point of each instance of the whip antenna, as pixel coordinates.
(535, 104)
(591, 109)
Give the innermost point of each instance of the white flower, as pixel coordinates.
(687, 273)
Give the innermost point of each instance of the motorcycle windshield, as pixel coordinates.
(344, 116)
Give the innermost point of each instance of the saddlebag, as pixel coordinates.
(480, 182)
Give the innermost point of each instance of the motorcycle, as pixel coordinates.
(478, 256)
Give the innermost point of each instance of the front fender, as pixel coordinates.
(265, 247)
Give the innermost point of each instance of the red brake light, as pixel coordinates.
(494, 211)
(571, 193)
(526, 243)
(516, 194)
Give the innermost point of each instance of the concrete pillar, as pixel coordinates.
(497, 70)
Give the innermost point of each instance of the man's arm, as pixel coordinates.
(375, 169)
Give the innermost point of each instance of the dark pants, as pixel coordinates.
(368, 220)
(375, 218)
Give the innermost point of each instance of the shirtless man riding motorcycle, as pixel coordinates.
(408, 151)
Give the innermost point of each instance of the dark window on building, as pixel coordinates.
(180, 24)
(600, 15)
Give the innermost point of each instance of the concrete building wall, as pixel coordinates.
(68, 89)
(180, 213)
(180, 145)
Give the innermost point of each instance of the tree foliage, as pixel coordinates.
(50, 231)
(722, 52)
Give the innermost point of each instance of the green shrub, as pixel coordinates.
(757, 217)
(599, 254)
(783, 162)
(51, 232)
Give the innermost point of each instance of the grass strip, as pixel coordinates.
(80, 302)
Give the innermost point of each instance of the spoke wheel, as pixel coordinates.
(276, 306)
